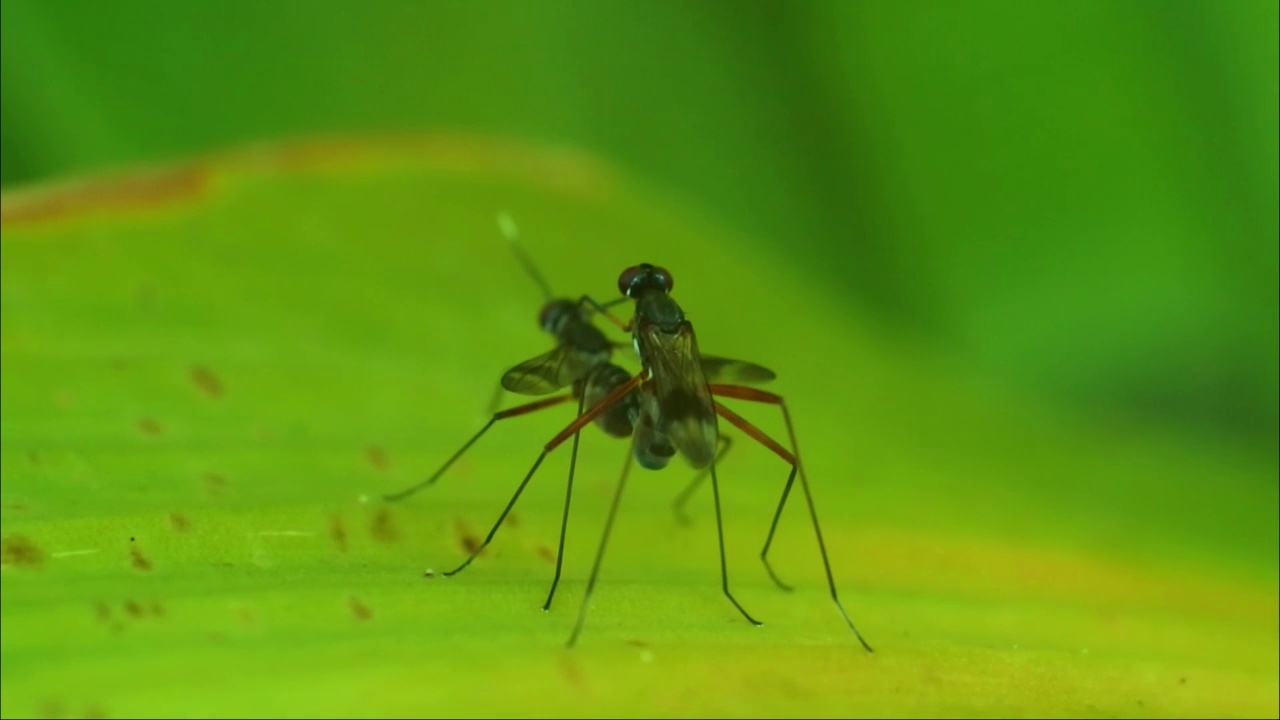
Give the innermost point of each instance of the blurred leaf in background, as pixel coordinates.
(1074, 199)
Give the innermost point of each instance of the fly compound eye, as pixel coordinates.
(662, 279)
(631, 278)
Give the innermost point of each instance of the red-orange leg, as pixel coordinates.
(509, 413)
(570, 430)
(741, 392)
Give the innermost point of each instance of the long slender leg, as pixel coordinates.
(564, 519)
(677, 506)
(604, 540)
(497, 398)
(759, 436)
(754, 395)
(571, 429)
(773, 527)
(724, 568)
(512, 412)
(603, 309)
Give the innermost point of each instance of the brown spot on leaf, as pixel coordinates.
(102, 611)
(206, 381)
(569, 668)
(157, 610)
(246, 615)
(34, 458)
(134, 609)
(511, 520)
(1182, 681)
(360, 610)
(179, 522)
(149, 426)
(546, 553)
(21, 550)
(383, 527)
(52, 709)
(20, 507)
(138, 560)
(469, 540)
(214, 483)
(337, 532)
(377, 457)
(638, 643)
(94, 712)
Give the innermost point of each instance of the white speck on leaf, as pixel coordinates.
(72, 553)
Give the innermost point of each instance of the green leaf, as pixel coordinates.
(212, 372)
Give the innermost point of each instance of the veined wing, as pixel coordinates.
(738, 372)
(686, 412)
(548, 372)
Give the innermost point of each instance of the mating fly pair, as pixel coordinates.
(669, 407)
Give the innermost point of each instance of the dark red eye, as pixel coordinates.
(643, 276)
(663, 279)
(628, 278)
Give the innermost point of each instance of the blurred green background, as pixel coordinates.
(1075, 200)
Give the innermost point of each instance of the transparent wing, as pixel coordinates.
(555, 369)
(686, 412)
(741, 372)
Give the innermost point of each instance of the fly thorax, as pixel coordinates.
(660, 309)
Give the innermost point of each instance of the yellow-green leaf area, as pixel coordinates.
(211, 373)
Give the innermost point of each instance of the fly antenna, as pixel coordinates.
(508, 227)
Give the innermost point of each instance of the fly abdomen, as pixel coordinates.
(620, 418)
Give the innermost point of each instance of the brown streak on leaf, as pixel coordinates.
(337, 532)
(214, 483)
(149, 426)
(383, 527)
(470, 542)
(546, 553)
(139, 560)
(206, 381)
(133, 191)
(179, 522)
(377, 457)
(557, 169)
(22, 551)
(360, 610)
(569, 668)
(134, 609)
